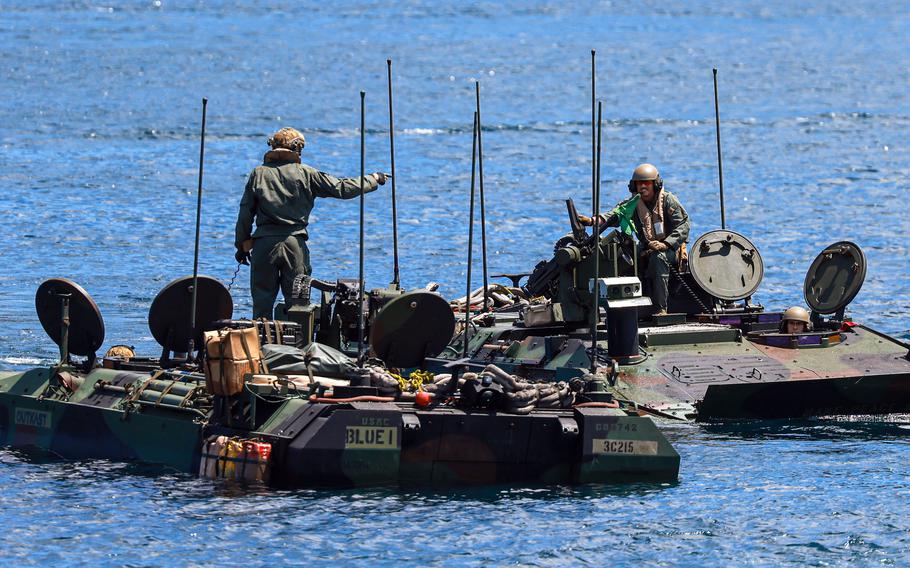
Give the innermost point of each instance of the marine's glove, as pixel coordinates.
(380, 178)
(589, 221)
(658, 246)
(242, 257)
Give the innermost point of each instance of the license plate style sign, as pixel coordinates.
(33, 418)
(627, 447)
(371, 437)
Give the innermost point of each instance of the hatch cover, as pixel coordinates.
(692, 370)
(86, 327)
(411, 327)
(726, 265)
(169, 316)
(835, 277)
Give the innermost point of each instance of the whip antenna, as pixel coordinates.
(191, 347)
(593, 131)
(360, 297)
(596, 216)
(467, 297)
(483, 220)
(720, 162)
(396, 277)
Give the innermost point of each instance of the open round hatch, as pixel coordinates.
(726, 265)
(86, 327)
(835, 277)
(411, 327)
(169, 316)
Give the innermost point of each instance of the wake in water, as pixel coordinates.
(31, 361)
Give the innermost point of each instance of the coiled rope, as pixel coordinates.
(521, 396)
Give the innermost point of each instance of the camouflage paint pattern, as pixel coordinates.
(94, 423)
(344, 444)
(716, 372)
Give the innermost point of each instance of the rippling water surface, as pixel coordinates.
(99, 125)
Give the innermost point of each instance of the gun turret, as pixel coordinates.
(544, 281)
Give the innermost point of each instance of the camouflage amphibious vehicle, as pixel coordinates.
(262, 401)
(715, 355)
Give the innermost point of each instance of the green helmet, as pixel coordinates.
(646, 172)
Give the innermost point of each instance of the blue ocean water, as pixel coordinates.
(99, 123)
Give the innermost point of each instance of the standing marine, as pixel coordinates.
(279, 196)
(662, 225)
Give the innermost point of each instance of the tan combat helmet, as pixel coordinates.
(289, 138)
(796, 313)
(646, 172)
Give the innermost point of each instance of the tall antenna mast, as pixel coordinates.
(360, 297)
(191, 346)
(483, 219)
(467, 296)
(720, 162)
(396, 276)
(593, 133)
(595, 316)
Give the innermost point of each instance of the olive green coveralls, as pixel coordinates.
(676, 229)
(280, 195)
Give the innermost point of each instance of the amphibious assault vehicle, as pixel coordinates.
(291, 401)
(715, 356)
(521, 393)
(553, 381)
(262, 401)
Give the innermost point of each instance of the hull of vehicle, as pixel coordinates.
(120, 415)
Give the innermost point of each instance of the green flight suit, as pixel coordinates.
(676, 229)
(280, 195)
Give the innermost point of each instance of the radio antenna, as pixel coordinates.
(191, 346)
(483, 219)
(396, 276)
(467, 296)
(360, 297)
(593, 132)
(720, 162)
(596, 311)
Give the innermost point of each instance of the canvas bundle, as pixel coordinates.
(231, 354)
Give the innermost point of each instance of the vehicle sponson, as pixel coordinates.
(368, 443)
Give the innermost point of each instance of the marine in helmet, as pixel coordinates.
(279, 196)
(662, 225)
(795, 320)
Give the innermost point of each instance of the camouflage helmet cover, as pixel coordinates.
(289, 138)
